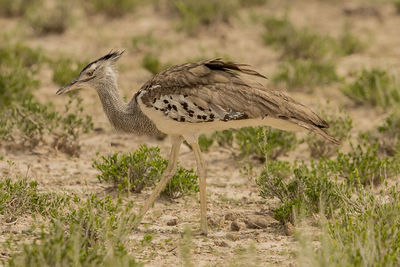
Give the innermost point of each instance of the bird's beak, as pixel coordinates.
(67, 88)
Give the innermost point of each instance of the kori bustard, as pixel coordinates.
(187, 100)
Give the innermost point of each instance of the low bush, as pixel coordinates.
(305, 74)
(91, 232)
(363, 165)
(152, 63)
(25, 122)
(65, 70)
(373, 87)
(14, 8)
(23, 197)
(296, 43)
(29, 124)
(48, 17)
(144, 168)
(302, 190)
(194, 14)
(262, 142)
(302, 43)
(340, 125)
(368, 236)
(113, 8)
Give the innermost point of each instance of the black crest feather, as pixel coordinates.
(112, 55)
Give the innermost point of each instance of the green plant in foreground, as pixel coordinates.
(92, 232)
(374, 87)
(22, 196)
(144, 168)
(367, 237)
(300, 189)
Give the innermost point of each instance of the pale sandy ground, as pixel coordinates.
(229, 192)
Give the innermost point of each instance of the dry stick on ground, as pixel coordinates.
(187, 100)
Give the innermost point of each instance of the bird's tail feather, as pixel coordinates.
(315, 129)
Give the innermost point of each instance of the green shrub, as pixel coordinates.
(140, 42)
(250, 3)
(47, 18)
(65, 70)
(396, 4)
(373, 87)
(205, 142)
(20, 55)
(151, 63)
(385, 136)
(29, 123)
(389, 134)
(143, 168)
(301, 189)
(349, 44)
(340, 125)
(305, 74)
(259, 142)
(23, 197)
(296, 43)
(364, 165)
(368, 237)
(303, 43)
(194, 14)
(18, 64)
(113, 8)
(25, 122)
(92, 234)
(14, 8)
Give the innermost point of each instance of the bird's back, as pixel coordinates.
(212, 95)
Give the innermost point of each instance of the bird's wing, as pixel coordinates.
(214, 90)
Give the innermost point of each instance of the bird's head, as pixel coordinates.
(94, 73)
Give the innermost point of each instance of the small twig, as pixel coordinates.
(172, 249)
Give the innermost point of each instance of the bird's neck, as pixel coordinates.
(111, 99)
(123, 116)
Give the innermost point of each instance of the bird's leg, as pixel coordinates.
(167, 175)
(202, 171)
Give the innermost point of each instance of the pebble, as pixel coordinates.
(221, 243)
(230, 216)
(235, 226)
(232, 237)
(172, 222)
(289, 228)
(256, 222)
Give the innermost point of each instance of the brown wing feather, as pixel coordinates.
(217, 84)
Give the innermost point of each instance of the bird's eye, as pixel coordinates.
(89, 73)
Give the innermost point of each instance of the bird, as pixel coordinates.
(190, 99)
